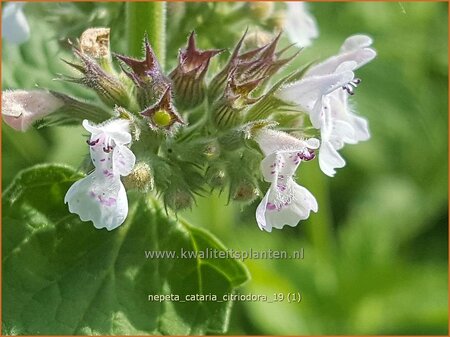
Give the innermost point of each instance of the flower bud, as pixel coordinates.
(228, 111)
(232, 139)
(211, 150)
(254, 65)
(178, 199)
(147, 76)
(163, 114)
(110, 90)
(216, 176)
(20, 108)
(141, 178)
(188, 76)
(224, 115)
(244, 191)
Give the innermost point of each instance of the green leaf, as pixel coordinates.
(63, 276)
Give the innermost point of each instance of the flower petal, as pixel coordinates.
(269, 216)
(123, 160)
(101, 196)
(116, 129)
(98, 200)
(271, 141)
(280, 165)
(341, 110)
(21, 108)
(355, 42)
(309, 90)
(300, 26)
(261, 214)
(329, 159)
(360, 57)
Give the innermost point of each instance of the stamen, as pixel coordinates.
(351, 85)
(107, 149)
(94, 142)
(349, 89)
(307, 155)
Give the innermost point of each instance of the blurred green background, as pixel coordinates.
(375, 256)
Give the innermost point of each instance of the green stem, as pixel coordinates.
(150, 18)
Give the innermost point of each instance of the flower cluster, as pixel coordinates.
(182, 133)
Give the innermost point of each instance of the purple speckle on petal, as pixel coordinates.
(281, 187)
(306, 155)
(107, 202)
(108, 173)
(271, 206)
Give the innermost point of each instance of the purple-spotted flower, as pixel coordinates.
(323, 94)
(100, 197)
(286, 202)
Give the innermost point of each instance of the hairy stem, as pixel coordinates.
(150, 18)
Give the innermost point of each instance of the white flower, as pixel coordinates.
(15, 28)
(300, 26)
(20, 108)
(286, 202)
(339, 126)
(323, 93)
(100, 197)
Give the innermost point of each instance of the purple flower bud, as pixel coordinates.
(254, 65)
(146, 74)
(110, 90)
(228, 110)
(188, 76)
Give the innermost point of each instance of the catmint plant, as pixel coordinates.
(189, 131)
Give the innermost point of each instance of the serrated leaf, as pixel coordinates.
(63, 276)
